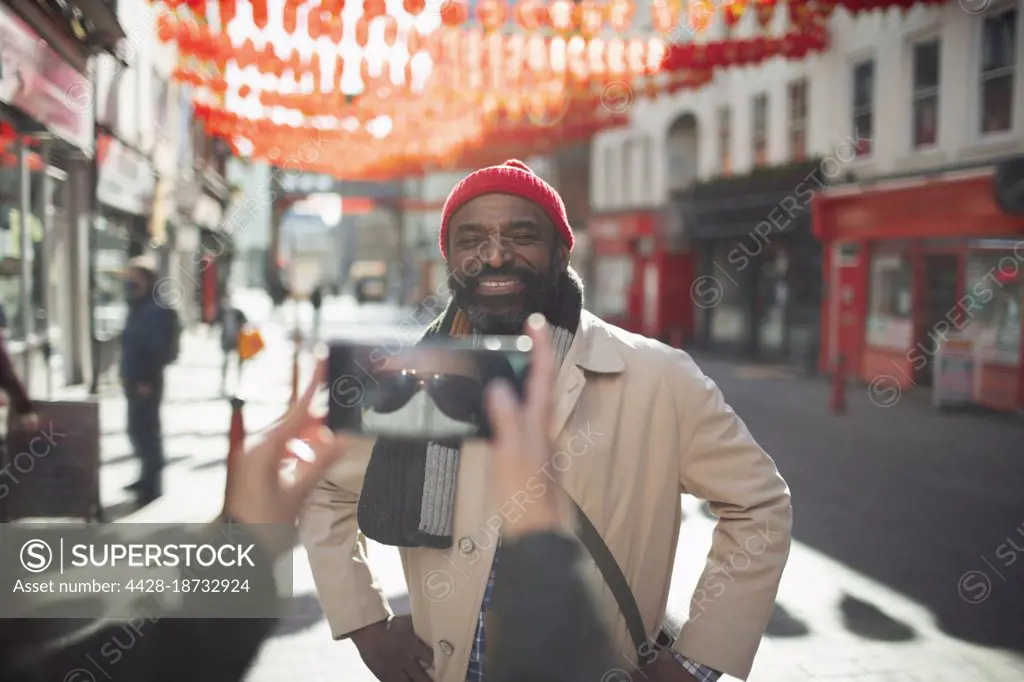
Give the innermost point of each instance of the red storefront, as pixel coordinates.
(636, 281)
(913, 262)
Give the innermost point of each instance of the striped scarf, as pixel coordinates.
(409, 490)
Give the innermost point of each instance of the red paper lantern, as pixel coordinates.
(336, 29)
(734, 12)
(390, 31)
(454, 13)
(413, 7)
(664, 15)
(259, 13)
(528, 14)
(226, 10)
(590, 18)
(598, 64)
(700, 14)
(374, 8)
(165, 29)
(620, 14)
(765, 11)
(560, 15)
(362, 31)
(492, 14)
(290, 17)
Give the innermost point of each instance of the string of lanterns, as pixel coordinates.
(526, 78)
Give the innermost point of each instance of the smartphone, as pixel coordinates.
(433, 390)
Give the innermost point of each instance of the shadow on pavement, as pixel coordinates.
(926, 504)
(868, 621)
(783, 624)
(120, 510)
(212, 464)
(301, 613)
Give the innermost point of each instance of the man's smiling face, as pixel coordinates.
(504, 261)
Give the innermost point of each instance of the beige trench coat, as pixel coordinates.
(637, 424)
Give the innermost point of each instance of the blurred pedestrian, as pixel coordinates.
(637, 423)
(148, 345)
(263, 503)
(232, 322)
(21, 414)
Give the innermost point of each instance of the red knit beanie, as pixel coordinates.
(512, 177)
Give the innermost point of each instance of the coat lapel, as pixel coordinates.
(592, 350)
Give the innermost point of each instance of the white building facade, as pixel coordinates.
(895, 93)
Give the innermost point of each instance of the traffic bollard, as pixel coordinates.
(839, 386)
(236, 432)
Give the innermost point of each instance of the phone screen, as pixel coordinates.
(433, 390)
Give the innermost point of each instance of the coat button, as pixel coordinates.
(446, 648)
(466, 545)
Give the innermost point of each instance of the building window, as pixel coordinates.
(646, 182)
(864, 105)
(628, 181)
(613, 279)
(995, 303)
(724, 141)
(798, 120)
(925, 104)
(761, 130)
(609, 177)
(889, 319)
(998, 55)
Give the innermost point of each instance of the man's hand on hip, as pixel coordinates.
(393, 652)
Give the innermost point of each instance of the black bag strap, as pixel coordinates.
(616, 581)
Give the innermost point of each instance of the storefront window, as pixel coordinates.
(11, 225)
(889, 317)
(10, 263)
(109, 301)
(729, 317)
(613, 278)
(993, 285)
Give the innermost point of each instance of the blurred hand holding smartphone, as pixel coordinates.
(430, 391)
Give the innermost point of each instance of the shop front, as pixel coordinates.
(42, 138)
(758, 284)
(636, 281)
(917, 270)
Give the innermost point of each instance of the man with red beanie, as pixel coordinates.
(635, 425)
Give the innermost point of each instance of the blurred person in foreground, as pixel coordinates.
(146, 349)
(635, 425)
(544, 621)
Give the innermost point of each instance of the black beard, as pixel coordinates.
(504, 315)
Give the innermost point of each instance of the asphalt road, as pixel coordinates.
(930, 505)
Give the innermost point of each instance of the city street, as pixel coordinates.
(900, 569)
